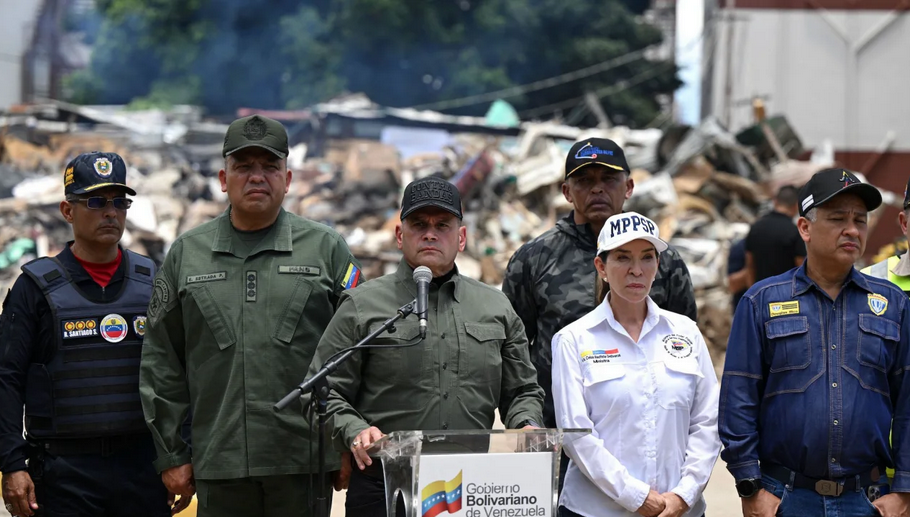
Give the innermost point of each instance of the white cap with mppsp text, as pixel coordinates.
(627, 227)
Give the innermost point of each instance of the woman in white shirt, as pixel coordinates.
(641, 378)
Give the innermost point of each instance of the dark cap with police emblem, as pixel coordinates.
(256, 131)
(95, 170)
(595, 151)
(827, 183)
(431, 191)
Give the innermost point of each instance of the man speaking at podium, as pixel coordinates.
(473, 359)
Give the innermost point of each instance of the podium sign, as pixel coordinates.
(486, 485)
(477, 473)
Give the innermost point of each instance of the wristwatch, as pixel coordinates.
(748, 487)
(525, 423)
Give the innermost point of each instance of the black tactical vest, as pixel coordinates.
(90, 388)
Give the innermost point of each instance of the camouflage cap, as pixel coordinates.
(256, 131)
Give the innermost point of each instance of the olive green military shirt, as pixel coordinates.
(474, 359)
(231, 335)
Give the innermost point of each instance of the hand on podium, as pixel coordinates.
(359, 446)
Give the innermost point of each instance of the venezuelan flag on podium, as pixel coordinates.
(441, 496)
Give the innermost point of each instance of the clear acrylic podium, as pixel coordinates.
(483, 473)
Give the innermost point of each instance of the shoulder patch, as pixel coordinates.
(160, 297)
(351, 277)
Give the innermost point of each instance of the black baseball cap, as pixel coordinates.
(95, 170)
(595, 151)
(256, 131)
(827, 183)
(907, 195)
(431, 191)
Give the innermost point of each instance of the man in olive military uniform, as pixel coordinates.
(474, 358)
(71, 335)
(238, 308)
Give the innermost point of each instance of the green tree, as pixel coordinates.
(276, 54)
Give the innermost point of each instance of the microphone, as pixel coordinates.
(423, 276)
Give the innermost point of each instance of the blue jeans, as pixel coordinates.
(802, 502)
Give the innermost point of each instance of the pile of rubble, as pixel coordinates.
(703, 185)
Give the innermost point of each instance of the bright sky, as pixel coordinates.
(689, 23)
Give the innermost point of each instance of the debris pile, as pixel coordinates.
(352, 159)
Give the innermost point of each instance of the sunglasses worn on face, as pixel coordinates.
(99, 202)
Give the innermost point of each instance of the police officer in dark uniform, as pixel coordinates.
(71, 336)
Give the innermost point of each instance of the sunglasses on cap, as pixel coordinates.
(99, 202)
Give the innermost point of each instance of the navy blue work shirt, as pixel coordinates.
(813, 384)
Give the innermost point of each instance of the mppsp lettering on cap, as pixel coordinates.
(627, 227)
(634, 223)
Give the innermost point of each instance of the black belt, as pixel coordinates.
(98, 446)
(830, 487)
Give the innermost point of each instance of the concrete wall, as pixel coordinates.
(15, 31)
(841, 75)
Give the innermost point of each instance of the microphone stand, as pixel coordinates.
(318, 384)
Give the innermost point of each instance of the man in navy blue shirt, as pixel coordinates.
(737, 274)
(815, 373)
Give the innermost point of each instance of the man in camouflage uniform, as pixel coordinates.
(551, 280)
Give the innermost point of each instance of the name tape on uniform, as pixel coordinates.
(208, 277)
(599, 356)
(299, 270)
(73, 329)
(783, 308)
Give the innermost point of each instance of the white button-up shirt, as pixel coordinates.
(652, 407)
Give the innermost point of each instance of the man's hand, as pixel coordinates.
(19, 491)
(179, 480)
(341, 478)
(895, 504)
(675, 505)
(360, 445)
(762, 504)
(653, 505)
(177, 505)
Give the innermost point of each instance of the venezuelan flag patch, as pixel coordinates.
(351, 277)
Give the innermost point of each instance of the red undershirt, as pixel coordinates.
(102, 273)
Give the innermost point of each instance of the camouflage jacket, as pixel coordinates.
(551, 282)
